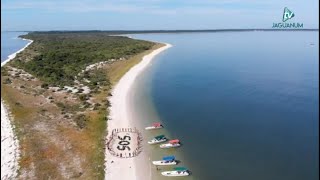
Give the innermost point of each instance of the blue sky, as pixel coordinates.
(152, 14)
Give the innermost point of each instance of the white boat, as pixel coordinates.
(156, 125)
(171, 144)
(158, 139)
(178, 171)
(168, 160)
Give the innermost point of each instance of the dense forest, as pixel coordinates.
(58, 57)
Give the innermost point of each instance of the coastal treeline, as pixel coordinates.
(119, 32)
(59, 57)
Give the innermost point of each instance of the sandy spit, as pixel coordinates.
(124, 168)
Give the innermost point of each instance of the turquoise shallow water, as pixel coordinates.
(244, 104)
(10, 43)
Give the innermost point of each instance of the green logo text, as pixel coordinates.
(287, 15)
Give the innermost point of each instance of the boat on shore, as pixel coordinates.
(156, 125)
(158, 139)
(167, 160)
(171, 144)
(177, 171)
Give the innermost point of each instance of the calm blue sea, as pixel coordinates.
(244, 104)
(10, 43)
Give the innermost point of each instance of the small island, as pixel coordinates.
(57, 93)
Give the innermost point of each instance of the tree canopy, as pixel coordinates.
(60, 57)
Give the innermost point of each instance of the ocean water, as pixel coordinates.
(10, 43)
(244, 104)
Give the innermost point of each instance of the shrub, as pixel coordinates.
(4, 71)
(61, 105)
(7, 81)
(80, 90)
(45, 86)
(83, 97)
(108, 104)
(86, 104)
(81, 121)
(96, 106)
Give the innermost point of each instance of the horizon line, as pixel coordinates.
(164, 31)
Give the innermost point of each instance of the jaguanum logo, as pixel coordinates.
(287, 15)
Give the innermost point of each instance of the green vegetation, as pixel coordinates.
(4, 71)
(81, 121)
(44, 115)
(7, 81)
(117, 32)
(58, 58)
(95, 78)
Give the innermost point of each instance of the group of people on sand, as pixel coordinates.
(134, 130)
(110, 143)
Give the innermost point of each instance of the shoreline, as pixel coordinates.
(13, 55)
(10, 152)
(120, 117)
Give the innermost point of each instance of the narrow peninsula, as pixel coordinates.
(57, 90)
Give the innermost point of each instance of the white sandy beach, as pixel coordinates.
(9, 143)
(11, 56)
(124, 168)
